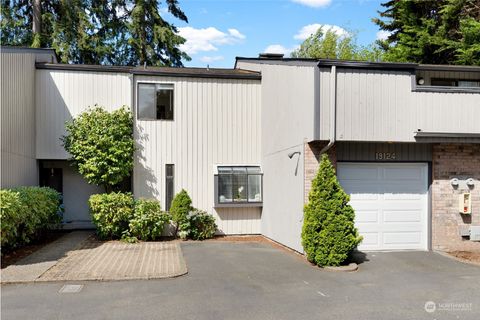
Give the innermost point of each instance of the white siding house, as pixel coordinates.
(215, 122)
(246, 142)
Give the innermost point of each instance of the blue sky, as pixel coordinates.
(219, 30)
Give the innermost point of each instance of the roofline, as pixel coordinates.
(358, 64)
(83, 67)
(14, 49)
(136, 71)
(425, 134)
(249, 76)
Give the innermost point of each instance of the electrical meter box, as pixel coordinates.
(465, 203)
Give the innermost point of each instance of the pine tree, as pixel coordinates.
(153, 40)
(328, 234)
(119, 32)
(431, 31)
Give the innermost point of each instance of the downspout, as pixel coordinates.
(333, 109)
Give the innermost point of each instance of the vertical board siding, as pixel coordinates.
(216, 121)
(365, 151)
(61, 95)
(18, 163)
(379, 105)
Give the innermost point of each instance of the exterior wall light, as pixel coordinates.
(291, 154)
(421, 81)
(454, 182)
(470, 182)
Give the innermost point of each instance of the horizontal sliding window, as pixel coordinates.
(155, 101)
(238, 185)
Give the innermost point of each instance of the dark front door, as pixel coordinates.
(52, 177)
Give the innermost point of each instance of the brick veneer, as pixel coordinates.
(453, 161)
(312, 161)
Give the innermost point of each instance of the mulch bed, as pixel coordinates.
(12, 256)
(467, 256)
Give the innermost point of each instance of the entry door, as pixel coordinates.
(52, 177)
(390, 202)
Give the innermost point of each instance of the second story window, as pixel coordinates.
(155, 101)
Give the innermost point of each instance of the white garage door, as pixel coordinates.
(390, 202)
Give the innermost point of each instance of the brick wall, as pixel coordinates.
(450, 161)
(312, 161)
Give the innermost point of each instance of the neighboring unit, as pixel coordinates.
(246, 142)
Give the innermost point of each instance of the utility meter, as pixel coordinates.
(465, 203)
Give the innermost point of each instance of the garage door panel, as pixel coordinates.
(371, 239)
(402, 173)
(363, 173)
(402, 216)
(399, 238)
(366, 216)
(390, 203)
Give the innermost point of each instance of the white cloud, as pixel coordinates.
(310, 29)
(383, 35)
(314, 3)
(278, 48)
(207, 39)
(210, 59)
(235, 33)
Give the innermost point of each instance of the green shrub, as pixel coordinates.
(181, 206)
(328, 234)
(148, 220)
(101, 145)
(201, 225)
(26, 212)
(111, 213)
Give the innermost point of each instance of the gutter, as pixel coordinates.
(333, 109)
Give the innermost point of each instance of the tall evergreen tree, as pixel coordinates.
(431, 31)
(121, 32)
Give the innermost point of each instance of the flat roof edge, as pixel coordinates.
(359, 64)
(200, 73)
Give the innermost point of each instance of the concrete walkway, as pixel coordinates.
(79, 256)
(33, 266)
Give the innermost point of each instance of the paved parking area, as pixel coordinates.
(256, 281)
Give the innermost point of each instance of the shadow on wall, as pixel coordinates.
(145, 180)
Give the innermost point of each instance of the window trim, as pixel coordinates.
(237, 204)
(137, 111)
(426, 88)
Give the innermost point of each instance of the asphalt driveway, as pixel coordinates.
(256, 281)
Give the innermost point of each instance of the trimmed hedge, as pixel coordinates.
(26, 212)
(119, 216)
(111, 213)
(328, 235)
(201, 225)
(148, 220)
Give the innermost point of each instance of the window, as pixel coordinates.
(155, 101)
(456, 83)
(238, 185)
(169, 185)
(469, 84)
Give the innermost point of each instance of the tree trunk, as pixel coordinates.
(37, 23)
